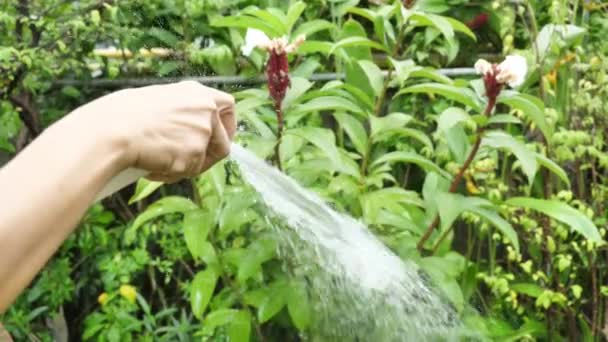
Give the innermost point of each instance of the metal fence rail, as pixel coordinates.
(223, 80)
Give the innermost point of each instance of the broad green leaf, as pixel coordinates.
(460, 27)
(201, 291)
(355, 130)
(167, 205)
(311, 27)
(166, 37)
(527, 158)
(451, 206)
(439, 22)
(298, 305)
(505, 227)
(560, 212)
(356, 42)
(459, 94)
(322, 138)
(197, 224)
(273, 303)
(239, 329)
(458, 143)
(221, 59)
(529, 289)
(410, 157)
(530, 106)
(315, 46)
(294, 13)
(328, 103)
(299, 86)
(220, 317)
(274, 18)
(144, 189)
(382, 124)
(236, 212)
(551, 32)
(374, 76)
(451, 117)
(553, 167)
(406, 132)
(245, 21)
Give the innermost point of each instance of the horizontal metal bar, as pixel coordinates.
(222, 80)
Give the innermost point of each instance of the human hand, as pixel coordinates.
(171, 131)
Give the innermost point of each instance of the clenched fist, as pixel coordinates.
(172, 131)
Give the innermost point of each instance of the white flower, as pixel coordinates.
(513, 71)
(483, 67)
(254, 38)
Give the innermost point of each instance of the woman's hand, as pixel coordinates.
(172, 131)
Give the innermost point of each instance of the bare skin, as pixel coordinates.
(172, 131)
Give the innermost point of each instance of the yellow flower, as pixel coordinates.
(128, 292)
(103, 298)
(471, 187)
(552, 77)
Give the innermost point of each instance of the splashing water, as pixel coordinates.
(360, 290)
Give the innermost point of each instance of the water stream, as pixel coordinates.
(361, 291)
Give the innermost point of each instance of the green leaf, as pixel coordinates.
(374, 76)
(245, 21)
(439, 22)
(549, 33)
(197, 224)
(311, 27)
(505, 227)
(201, 291)
(356, 42)
(239, 329)
(167, 67)
(451, 117)
(328, 103)
(273, 303)
(294, 13)
(529, 289)
(462, 28)
(553, 167)
(560, 212)
(382, 124)
(456, 204)
(299, 86)
(315, 46)
(355, 130)
(322, 138)
(275, 19)
(459, 94)
(530, 106)
(220, 317)
(167, 205)
(527, 158)
(298, 305)
(410, 157)
(165, 36)
(144, 189)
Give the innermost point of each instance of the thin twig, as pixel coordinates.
(457, 179)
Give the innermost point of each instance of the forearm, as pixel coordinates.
(44, 193)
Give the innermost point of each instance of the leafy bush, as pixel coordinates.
(502, 206)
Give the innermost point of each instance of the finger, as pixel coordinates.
(219, 146)
(225, 105)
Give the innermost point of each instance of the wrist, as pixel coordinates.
(109, 144)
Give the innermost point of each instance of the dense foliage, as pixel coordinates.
(504, 209)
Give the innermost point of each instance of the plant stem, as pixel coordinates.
(280, 128)
(456, 181)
